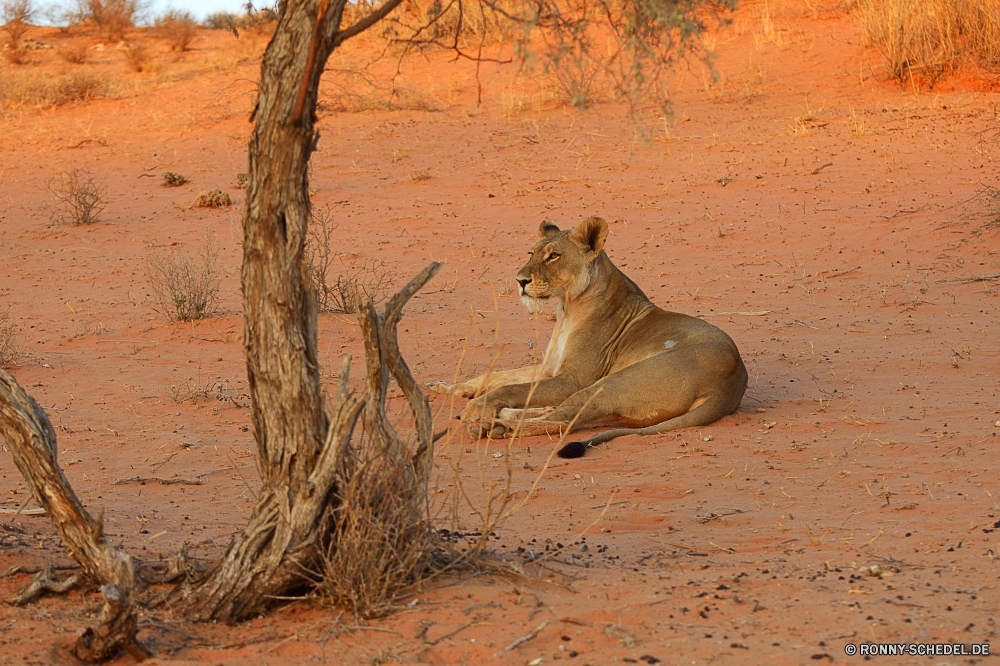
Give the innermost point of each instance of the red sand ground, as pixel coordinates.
(812, 210)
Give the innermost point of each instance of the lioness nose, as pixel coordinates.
(524, 282)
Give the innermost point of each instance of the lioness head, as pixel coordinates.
(561, 261)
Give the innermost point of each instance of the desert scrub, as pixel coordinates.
(185, 287)
(929, 39)
(242, 180)
(138, 58)
(213, 199)
(16, 16)
(113, 17)
(171, 179)
(178, 28)
(38, 89)
(80, 197)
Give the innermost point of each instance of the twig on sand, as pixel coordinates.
(449, 634)
(523, 639)
(975, 278)
(150, 479)
(758, 313)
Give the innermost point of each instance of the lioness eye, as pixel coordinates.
(552, 257)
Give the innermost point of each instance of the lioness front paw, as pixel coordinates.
(487, 429)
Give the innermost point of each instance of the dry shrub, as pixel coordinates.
(185, 287)
(178, 28)
(74, 53)
(221, 21)
(922, 41)
(113, 17)
(372, 280)
(384, 539)
(138, 58)
(79, 196)
(171, 179)
(17, 16)
(38, 89)
(9, 349)
(242, 180)
(213, 199)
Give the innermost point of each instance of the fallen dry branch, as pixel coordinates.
(974, 278)
(151, 479)
(45, 581)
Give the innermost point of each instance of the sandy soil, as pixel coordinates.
(817, 213)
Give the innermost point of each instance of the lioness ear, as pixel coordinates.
(592, 232)
(546, 229)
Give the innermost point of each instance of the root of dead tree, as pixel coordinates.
(116, 632)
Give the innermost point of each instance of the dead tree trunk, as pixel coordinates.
(32, 443)
(293, 442)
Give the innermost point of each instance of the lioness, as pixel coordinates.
(614, 357)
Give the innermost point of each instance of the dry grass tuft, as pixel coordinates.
(73, 53)
(372, 280)
(171, 179)
(9, 350)
(38, 89)
(138, 58)
(242, 180)
(178, 28)
(79, 196)
(185, 287)
(213, 199)
(384, 538)
(922, 41)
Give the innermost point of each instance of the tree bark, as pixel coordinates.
(32, 442)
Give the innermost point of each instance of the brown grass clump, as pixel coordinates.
(372, 280)
(186, 288)
(922, 41)
(38, 89)
(384, 537)
(74, 53)
(171, 179)
(9, 350)
(178, 28)
(79, 197)
(138, 58)
(213, 199)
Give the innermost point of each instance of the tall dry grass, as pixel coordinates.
(37, 89)
(922, 41)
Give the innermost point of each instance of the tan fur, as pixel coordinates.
(614, 357)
